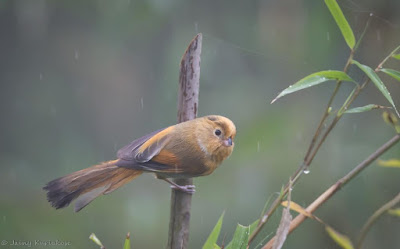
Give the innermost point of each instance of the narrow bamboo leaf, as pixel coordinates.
(341, 22)
(394, 212)
(253, 226)
(392, 163)
(391, 120)
(296, 207)
(393, 73)
(314, 79)
(377, 81)
(240, 238)
(283, 229)
(396, 56)
(216, 246)
(364, 108)
(212, 238)
(127, 244)
(342, 240)
(96, 240)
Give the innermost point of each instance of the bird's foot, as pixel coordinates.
(190, 189)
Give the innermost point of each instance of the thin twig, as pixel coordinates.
(307, 158)
(313, 148)
(338, 185)
(387, 58)
(326, 113)
(378, 213)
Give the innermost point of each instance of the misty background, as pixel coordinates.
(81, 79)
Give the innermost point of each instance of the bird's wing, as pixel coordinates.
(130, 151)
(146, 153)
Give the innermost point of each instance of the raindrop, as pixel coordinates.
(141, 102)
(258, 146)
(40, 76)
(76, 54)
(378, 35)
(306, 171)
(196, 27)
(328, 37)
(264, 218)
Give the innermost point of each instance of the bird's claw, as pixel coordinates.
(190, 189)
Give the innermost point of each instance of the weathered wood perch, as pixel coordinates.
(188, 99)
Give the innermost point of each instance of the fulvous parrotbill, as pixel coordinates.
(189, 149)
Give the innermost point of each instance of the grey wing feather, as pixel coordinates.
(152, 150)
(129, 152)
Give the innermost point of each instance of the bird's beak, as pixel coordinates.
(228, 142)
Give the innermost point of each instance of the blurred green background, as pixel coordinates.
(80, 79)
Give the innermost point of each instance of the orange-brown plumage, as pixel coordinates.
(189, 149)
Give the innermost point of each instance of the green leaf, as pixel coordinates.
(212, 238)
(364, 108)
(240, 238)
(396, 56)
(394, 212)
(253, 226)
(127, 244)
(342, 240)
(392, 163)
(314, 79)
(377, 81)
(216, 246)
(393, 73)
(341, 22)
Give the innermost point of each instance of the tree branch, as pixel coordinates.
(188, 99)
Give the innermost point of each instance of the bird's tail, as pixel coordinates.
(87, 184)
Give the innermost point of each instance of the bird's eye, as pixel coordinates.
(217, 132)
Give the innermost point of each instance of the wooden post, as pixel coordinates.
(188, 99)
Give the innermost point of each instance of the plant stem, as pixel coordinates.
(364, 31)
(338, 185)
(310, 155)
(326, 113)
(307, 159)
(188, 99)
(378, 213)
(348, 102)
(312, 149)
(387, 58)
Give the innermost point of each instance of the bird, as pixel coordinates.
(189, 149)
